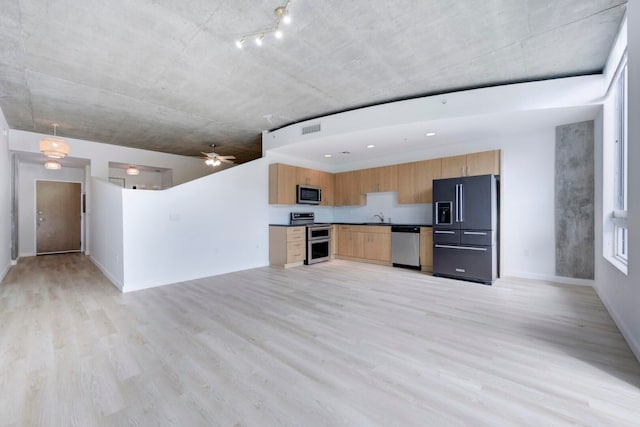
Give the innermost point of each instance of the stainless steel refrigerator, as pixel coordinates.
(465, 228)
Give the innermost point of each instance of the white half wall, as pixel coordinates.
(213, 225)
(105, 225)
(620, 292)
(29, 173)
(5, 198)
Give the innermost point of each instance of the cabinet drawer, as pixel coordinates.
(296, 251)
(467, 262)
(477, 237)
(296, 234)
(446, 236)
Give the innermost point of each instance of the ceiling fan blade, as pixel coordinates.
(226, 157)
(225, 160)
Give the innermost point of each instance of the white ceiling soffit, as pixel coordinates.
(166, 75)
(402, 126)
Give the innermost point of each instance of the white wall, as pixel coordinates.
(5, 198)
(619, 292)
(29, 173)
(105, 227)
(214, 225)
(184, 168)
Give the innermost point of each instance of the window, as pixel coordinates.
(619, 214)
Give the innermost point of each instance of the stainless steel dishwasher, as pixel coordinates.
(405, 246)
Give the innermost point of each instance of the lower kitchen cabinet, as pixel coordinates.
(365, 243)
(426, 249)
(287, 246)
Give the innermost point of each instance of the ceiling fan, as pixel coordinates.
(214, 159)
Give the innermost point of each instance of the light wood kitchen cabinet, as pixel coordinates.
(426, 249)
(365, 243)
(377, 244)
(378, 180)
(287, 246)
(482, 163)
(282, 184)
(415, 181)
(327, 181)
(347, 189)
(284, 178)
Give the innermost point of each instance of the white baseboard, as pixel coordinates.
(115, 282)
(634, 345)
(5, 271)
(550, 278)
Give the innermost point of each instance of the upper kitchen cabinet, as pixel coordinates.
(415, 181)
(348, 190)
(483, 163)
(284, 178)
(282, 184)
(378, 180)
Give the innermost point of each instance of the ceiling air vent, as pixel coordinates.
(311, 129)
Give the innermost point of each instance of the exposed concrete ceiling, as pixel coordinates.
(165, 75)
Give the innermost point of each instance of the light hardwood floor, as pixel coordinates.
(331, 344)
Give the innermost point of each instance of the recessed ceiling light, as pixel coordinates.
(371, 146)
(327, 155)
(431, 134)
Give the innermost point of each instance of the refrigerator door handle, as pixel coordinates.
(457, 202)
(465, 248)
(461, 203)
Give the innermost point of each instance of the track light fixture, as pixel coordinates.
(282, 15)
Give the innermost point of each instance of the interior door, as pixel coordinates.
(58, 217)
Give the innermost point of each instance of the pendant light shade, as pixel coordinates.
(54, 147)
(52, 165)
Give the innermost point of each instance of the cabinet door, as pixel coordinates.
(282, 184)
(345, 245)
(348, 189)
(387, 177)
(484, 163)
(326, 181)
(408, 183)
(377, 246)
(426, 172)
(454, 167)
(426, 248)
(376, 180)
(303, 176)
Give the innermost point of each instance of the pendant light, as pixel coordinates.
(54, 147)
(52, 165)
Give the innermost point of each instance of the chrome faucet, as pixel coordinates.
(380, 216)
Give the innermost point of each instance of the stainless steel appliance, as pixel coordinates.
(318, 237)
(405, 246)
(465, 228)
(307, 195)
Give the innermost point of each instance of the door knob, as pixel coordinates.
(42, 219)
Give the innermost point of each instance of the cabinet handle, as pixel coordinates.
(475, 233)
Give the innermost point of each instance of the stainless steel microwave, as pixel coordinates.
(307, 195)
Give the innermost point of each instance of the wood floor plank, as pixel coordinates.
(332, 344)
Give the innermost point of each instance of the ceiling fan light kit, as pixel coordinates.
(282, 15)
(215, 159)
